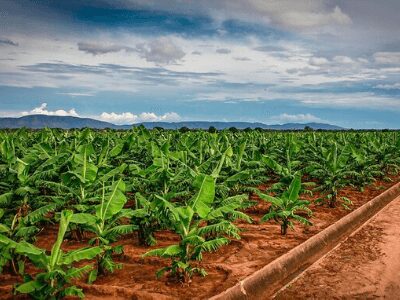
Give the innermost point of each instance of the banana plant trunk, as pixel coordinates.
(332, 203)
(284, 227)
(142, 236)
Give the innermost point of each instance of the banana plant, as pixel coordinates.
(17, 229)
(18, 187)
(285, 163)
(106, 226)
(147, 218)
(55, 280)
(83, 172)
(188, 222)
(285, 208)
(365, 168)
(334, 172)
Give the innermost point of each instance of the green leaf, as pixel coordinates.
(92, 276)
(80, 254)
(6, 241)
(242, 175)
(78, 272)
(268, 216)
(4, 228)
(117, 171)
(28, 287)
(39, 213)
(83, 218)
(213, 245)
(294, 189)
(5, 198)
(205, 196)
(169, 251)
(28, 249)
(74, 292)
(268, 198)
(117, 149)
(113, 203)
(55, 251)
(120, 230)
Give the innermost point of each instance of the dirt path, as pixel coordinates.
(365, 266)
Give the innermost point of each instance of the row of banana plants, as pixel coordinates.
(101, 185)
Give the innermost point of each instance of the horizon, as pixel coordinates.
(169, 122)
(133, 61)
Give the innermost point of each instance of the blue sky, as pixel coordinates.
(235, 60)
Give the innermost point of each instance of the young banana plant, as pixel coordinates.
(17, 229)
(106, 226)
(54, 282)
(334, 172)
(189, 223)
(147, 218)
(285, 208)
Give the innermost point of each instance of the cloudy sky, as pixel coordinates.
(272, 61)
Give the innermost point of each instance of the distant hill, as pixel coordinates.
(41, 121)
(238, 125)
(67, 122)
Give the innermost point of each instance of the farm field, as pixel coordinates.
(101, 213)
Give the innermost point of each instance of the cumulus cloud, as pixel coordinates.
(305, 19)
(161, 51)
(112, 117)
(130, 118)
(97, 49)
(42, 110)
(318, 61)
(296, 118)
(5, 41)
(223, 51)
(343, 59)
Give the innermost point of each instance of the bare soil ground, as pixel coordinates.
(364, 266)
(260, 244)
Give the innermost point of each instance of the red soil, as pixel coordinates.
(260, 244)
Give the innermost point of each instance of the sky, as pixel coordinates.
(270, 61)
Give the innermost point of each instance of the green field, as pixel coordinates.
(106, 184)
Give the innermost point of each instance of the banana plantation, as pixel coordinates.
(96, 188)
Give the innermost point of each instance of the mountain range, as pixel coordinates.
(67, 122)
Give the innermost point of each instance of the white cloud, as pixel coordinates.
(343, 59)
(78, 94)
(235, 96)
(96, 49)
(115, 118)
(356, 99)
(161, 51)
(297, 118)
(130, 118)
(307, 19)
(387, 57)
(318, 61)
(42, 110)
